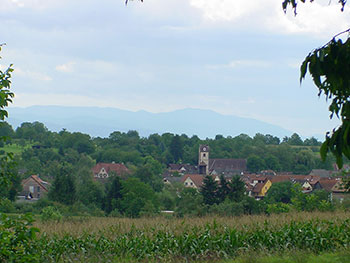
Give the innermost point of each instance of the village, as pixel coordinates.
(257, 185)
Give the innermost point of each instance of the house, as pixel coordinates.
(228, 167)
(33, 188)
(192, 180)
(257, 185)
(104, 170)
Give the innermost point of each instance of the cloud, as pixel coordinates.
(312, 18)
(66, 68)
(32, 4)
(242, 63)
(226, 10)
(31, 74)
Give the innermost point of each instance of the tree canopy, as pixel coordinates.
(329, 67)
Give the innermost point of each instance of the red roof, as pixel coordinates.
(38, 180)
(327, 184)
(197, 179)
(118, 168)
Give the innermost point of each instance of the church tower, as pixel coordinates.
(203, 159)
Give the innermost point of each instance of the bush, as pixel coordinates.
(6, 206)
(24, 207)
(17, 239)
(278, 208)
(115, 213)
(227, 208)
(50, 213)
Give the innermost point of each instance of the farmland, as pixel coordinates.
(230, 239)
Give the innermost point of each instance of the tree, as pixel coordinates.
(6, 129)
(63, 188)
(138, 197)
(237, 189)
(223, 189)
(149, 173)
(6, 160)
(281, 192)
(114, 195)
(189, 202)
(209, 190)
(329, 67)
(255, 164)
(176, 148)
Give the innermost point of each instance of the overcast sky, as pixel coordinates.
(235, 57)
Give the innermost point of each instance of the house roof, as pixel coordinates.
(321, 172)
(197, 179)
(38, 180)
(296, 178)
(257, 188)
(339, 187)
(327, 184)
(177, 167)
(228, 165)
(110, 167)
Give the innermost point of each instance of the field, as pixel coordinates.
(297, 237)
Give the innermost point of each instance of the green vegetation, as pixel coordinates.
(164, 240)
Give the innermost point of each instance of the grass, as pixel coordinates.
(15, 148)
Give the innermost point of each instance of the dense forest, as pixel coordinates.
(290, 154)
(65, 160)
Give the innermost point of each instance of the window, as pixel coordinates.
(31, 189)
(203, 154)
(38, 189)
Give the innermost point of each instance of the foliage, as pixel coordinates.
(50, 213)
(278, 208)
(6, 206)
(63, 188)
(17, 239)
(255, 163)
(209, 190)
(137, 197)
(282, 192)
(237, 189)
(189, 202)
(113, 195)
(184, 243)
(227, 208)
(329, 67)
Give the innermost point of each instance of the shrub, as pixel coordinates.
(50, 213)
(6, 206)
(278, 208)
(17, 239)
(227, 208)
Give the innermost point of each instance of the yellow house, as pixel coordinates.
(259, 190)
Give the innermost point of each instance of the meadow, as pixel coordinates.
(294, 237)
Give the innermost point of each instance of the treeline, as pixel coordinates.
(262, 152)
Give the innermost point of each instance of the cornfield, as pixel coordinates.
(214, 238)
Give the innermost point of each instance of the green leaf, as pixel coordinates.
(324, 149)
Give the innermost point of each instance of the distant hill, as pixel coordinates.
(103, 121)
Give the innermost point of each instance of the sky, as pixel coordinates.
(235, 57)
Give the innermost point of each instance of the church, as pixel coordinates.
(227, 167)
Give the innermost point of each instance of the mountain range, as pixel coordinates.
(98, 121)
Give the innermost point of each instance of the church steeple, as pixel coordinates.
(203, 159)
